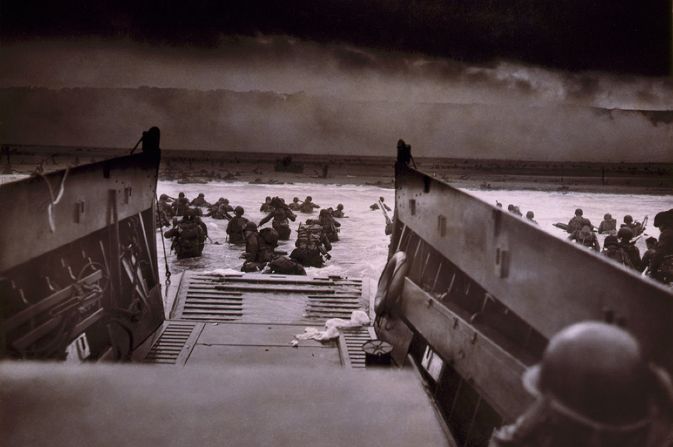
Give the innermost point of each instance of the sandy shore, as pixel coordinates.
(258, 168)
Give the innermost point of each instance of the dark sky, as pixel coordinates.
(629, 36)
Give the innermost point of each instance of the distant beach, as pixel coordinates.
(194, 166)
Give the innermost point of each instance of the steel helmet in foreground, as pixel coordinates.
(593, 374)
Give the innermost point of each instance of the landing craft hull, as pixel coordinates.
(78, 260)
(484, 292)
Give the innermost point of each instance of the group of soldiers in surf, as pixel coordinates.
(530, 216)
(314, 237)
(620, 243)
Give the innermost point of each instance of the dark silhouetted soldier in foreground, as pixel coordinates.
(593, 389)
(188, 236)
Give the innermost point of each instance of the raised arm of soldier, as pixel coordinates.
(264, 220)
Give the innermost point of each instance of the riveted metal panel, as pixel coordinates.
(82, 209)
(548, 282)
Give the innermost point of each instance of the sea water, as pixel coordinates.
(363, 246)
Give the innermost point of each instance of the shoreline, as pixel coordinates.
(276, 169)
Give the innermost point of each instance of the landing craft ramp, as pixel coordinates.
(221, 371)
(252, 319)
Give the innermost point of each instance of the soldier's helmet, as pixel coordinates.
(651, 241)
(628, 219)
(181, 195)
(188, 213)
(625, 233)
(239, 211)
(295, 199)
(579, 212)
(308, 198)
(586, 232)
(340, 207)
(270, 236)
(381, 199)
(530, 215)
(593, 374)
(251, 226)
(163, 197)
(607, 216)
(664, 219)
(201, 194)
(611, 241)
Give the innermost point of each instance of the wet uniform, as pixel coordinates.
(235, 229)
(188, 238)
(308, 207)
(608, 226)
(164, 213)
(311, 245)
(586, 238)
(633, 254)
(258, 249)
(577, 222)
(180, 206)
(295, 205)
(329, 225)
(280, 223)
(200, 201)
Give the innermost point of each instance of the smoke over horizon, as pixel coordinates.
(299, 123)
(281, 94)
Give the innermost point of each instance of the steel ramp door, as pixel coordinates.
(251, 319)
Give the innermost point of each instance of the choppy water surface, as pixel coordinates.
(363, 247)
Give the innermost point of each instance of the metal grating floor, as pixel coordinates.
(351, 342)
(171, 343)
(257, 298)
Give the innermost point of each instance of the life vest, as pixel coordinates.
(309, 236)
